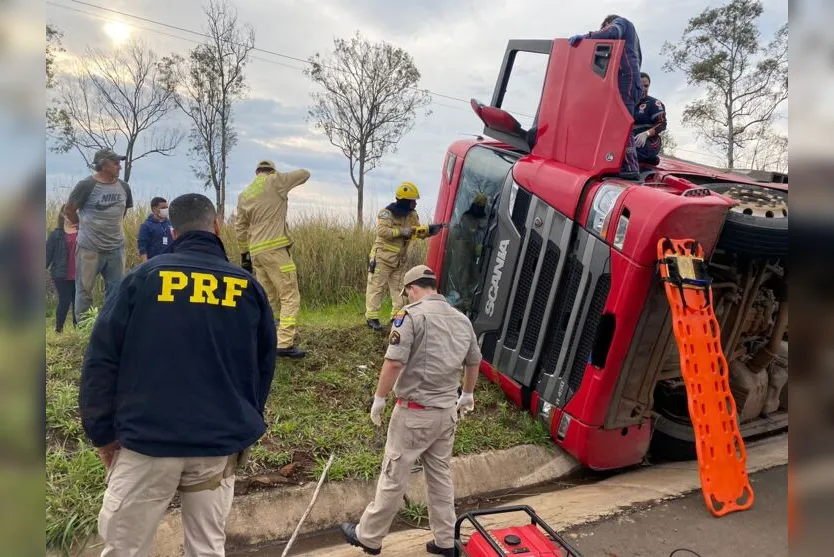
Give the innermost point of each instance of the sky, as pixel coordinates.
(457, 46)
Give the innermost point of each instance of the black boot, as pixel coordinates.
(433, 548)
(349, 532)
(629, 175)
(292, 352)
(374, 324)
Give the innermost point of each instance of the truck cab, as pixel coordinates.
(553, 258)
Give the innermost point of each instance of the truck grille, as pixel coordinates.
(522, 293)
(488, 348)
(546, 277)
(522, 205)
(589, 333)
(560, 315)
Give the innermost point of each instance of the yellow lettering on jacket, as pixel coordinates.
(234, 290)
(203, 289)
(171, 280)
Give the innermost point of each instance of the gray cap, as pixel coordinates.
(416, 273)
(106, 155)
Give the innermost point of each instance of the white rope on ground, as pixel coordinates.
(310, 506)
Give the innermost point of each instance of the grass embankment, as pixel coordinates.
(317, 406)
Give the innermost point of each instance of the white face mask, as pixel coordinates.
(163, 213)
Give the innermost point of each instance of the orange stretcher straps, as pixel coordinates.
(722, 460)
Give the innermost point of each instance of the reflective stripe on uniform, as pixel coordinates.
(372, 314)
(396, 233)
(287, 268)
(392, 248)
(286, 321)
(280, 242)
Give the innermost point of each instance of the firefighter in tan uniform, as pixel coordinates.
(430, 344)
(264, 242)
(396, 226)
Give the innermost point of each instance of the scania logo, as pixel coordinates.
(492, 293)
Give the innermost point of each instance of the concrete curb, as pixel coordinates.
(589, 503)
(273, 515)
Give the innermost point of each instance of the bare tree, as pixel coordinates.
(368, 102)
(745, 83)
(768, 151)
(115, 98)
(208, 83)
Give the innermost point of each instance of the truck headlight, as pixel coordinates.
(604, 201)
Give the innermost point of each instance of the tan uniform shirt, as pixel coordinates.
(261, 223)
(434, 341)
(390, 246)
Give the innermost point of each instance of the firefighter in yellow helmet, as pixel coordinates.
(396, 226)
(264, 241)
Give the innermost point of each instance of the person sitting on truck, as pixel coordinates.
(631, 89)
(649, 121)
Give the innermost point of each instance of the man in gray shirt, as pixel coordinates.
(98, 204)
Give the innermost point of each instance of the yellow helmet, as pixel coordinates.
(407, 190)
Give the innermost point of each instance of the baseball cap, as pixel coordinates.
(105, 155)
(267, 164)
(416, 273)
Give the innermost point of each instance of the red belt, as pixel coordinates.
(410, 405)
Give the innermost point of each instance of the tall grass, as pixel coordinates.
(332, 257)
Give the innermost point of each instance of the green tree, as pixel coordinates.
(367, 102)
(744, 82)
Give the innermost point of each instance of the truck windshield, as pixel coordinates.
(484, 172)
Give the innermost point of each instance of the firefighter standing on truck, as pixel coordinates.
(430, 344)
(173, 387)
(396, 225)
(628, 78)
(264, 242)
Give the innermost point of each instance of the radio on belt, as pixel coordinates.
(536, 539)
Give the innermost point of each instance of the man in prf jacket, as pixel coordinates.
(174, 384)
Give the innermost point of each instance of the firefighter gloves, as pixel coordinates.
(246, 261)
(466, 403)
(377, 409)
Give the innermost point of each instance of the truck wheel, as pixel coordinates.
(758, 225)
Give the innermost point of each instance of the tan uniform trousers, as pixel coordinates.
(139, 490)
(276, 271)
(428, 434)
(384, 276)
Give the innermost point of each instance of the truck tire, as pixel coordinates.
(758, 224)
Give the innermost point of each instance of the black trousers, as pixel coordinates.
(66, 298)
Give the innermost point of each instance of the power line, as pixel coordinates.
(257, 49)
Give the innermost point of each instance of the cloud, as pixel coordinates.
(457, 46)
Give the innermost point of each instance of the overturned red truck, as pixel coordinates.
(553, 258)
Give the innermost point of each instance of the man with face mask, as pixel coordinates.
(155, 233)
(396, 226)
(183, 419)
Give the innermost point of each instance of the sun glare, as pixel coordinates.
(118, 32)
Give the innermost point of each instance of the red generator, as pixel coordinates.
(527, 541)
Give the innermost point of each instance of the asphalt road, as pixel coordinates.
(686, 523)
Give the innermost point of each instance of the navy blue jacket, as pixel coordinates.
(181, 357)
(154, 236)
(630, 85)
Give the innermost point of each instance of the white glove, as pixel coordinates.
(377, 409)
(640, 138)
(466, 403)
(406, 232)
